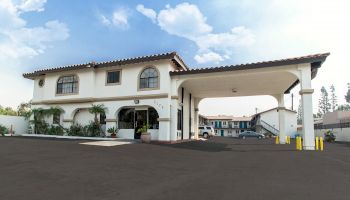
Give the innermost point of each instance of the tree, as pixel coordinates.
(300, 113)
(96, 110)
(23, 109)
(347, 96)
(323, 104)
(7, 111)
(333, 98)
(343, 107)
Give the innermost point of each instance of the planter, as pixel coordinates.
(145, 137)
(113, 135)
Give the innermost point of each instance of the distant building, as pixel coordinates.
(267, 122)
(228, 126)
(336, 117)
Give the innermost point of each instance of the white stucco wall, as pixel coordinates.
(341, 134)
(272, 118)
(92, 83)
(19, 124)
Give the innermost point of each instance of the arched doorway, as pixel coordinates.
(133, 118)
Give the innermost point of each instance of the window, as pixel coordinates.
(102, 118)
(179, 120)
(41, 82)
(149, 78)
(67, 85)
(56, 118)
(153, 118)
(224, 123)
(126, 118)
(113, 77)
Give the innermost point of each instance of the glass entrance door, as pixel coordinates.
(140, 120)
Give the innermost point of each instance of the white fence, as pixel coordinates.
(341, 134)
(19, 124)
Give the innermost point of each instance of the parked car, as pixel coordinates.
(206, 131)
(251, 134)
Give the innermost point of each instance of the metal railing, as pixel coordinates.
(331, 126)
(268, 127)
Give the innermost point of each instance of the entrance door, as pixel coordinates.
(222, 133)
(140, 120)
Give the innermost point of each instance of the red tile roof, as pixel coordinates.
(170, 55)
(315, 59)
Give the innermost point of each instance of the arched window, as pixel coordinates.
(149, 78)
(67, 85)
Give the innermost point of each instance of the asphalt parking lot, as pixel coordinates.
(220, 168)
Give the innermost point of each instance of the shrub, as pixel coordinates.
(329, 136)
(93, 129)
(55, 130)
(3, 130)
(76, 130)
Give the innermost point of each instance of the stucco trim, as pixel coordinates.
(90, 99)
(111, 120)
(163, 119)
(306, 91)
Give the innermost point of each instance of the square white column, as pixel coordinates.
(282, 119)
(307, 111)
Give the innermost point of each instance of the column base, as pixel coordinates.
(311, 148)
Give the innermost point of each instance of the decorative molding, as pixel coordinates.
(163, 119)
(91, 99)
(111, 120)
(306, 91)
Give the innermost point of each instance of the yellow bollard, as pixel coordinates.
(297, 142)
(316, 143)
(277, 139)
(321, 143)
(288, 139)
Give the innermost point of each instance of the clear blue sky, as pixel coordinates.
(39, 33)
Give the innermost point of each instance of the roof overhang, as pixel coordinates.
(172, 56)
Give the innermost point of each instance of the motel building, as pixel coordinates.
(164, 92)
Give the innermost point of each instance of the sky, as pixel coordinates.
(43, 33)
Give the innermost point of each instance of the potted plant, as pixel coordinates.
(113, 131)
(145, 136)
(329, 136)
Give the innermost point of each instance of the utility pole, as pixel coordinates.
(292, 101)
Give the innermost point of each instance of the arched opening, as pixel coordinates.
(130, 119)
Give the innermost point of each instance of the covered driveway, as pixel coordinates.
(274, 78)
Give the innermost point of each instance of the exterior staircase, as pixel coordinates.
(268, 127)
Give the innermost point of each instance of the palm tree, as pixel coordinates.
(96, 110)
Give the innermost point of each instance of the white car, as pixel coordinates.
(206, 131)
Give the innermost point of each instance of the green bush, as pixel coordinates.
(329, 136)
(93, 130)
(3, 130)
(76, 130)
(55, 130)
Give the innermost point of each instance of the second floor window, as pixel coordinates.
(149, 78)
(113, 77)
(67, 85)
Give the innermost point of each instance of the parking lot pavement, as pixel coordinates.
(219, 168)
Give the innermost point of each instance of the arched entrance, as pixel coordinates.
(131, 119)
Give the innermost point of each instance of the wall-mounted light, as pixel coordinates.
(136, 101)
(234, 90)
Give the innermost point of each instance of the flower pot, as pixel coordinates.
(113, 135)
(145, 137)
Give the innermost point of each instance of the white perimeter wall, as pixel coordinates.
(342, 134)
(272, 118)
(20, 124)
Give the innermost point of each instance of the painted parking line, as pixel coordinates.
(106, 143)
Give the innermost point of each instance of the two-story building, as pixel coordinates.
(228, 126)
(160, 90)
